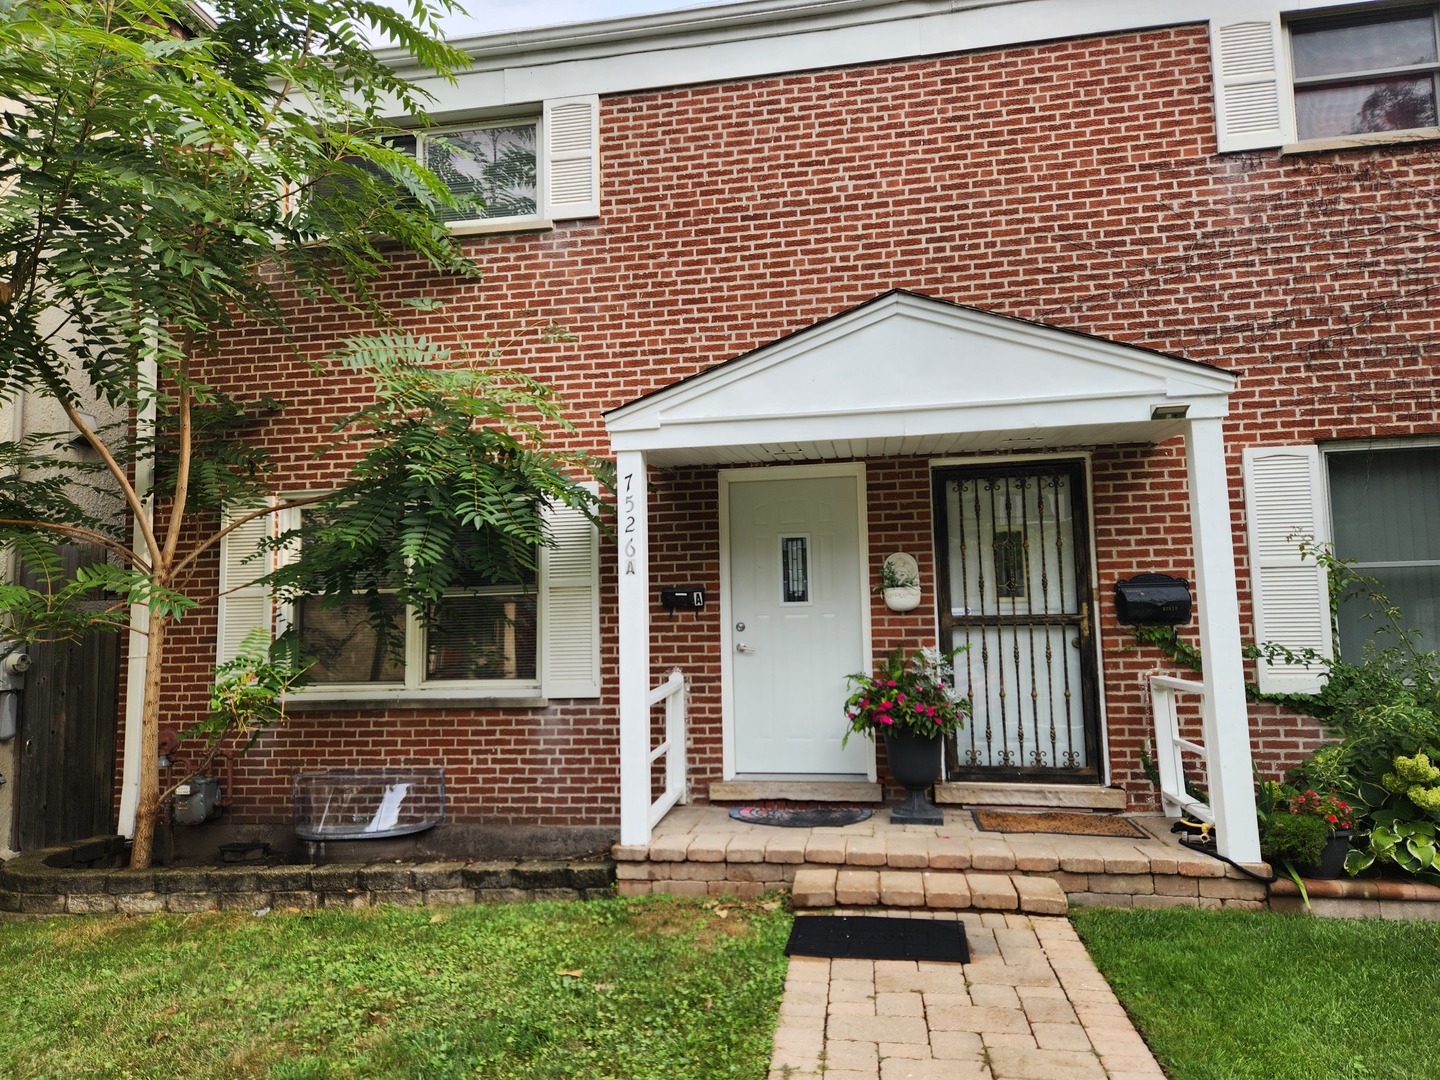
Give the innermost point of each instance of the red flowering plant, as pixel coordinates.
(912, 692)
(1328, 806)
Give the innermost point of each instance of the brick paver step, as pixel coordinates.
(825, 886)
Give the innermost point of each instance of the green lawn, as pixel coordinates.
(614, 988)
(1233, 995)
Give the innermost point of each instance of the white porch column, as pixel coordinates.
(1226, 717)
(633, 545)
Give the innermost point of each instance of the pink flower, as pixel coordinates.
(899, 697)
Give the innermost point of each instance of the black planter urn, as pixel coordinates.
(1332, 859)
(915, 763)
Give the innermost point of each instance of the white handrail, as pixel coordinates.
(1175, 800)
(672, 747)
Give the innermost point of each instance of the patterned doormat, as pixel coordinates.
(805, 816)
(876, 937)
(1022, 821)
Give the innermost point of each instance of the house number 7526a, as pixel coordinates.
(628, 528)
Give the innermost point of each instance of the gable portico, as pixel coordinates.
(907, 375)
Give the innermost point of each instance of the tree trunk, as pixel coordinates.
(147, 808)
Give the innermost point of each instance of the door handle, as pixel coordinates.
(742, 647)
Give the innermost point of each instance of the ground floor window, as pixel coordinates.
(536, 636)
(1385, 517)
(480, 633)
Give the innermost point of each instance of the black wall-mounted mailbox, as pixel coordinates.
(1153, 599)
(673, 600)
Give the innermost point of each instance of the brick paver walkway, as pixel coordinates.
(1030, 1005)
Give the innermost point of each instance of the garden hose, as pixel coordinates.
(1209, 849)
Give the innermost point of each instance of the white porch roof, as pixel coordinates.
(905, 374)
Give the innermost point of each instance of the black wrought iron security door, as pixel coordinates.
(1014, 559)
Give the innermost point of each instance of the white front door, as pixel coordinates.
(795, 630)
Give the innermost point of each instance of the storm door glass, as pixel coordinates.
(1015, 590)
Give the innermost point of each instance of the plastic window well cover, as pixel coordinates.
(367, 804)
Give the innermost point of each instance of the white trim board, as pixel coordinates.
(958, 379)
(769, 37)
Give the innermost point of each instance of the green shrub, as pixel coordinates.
(1386, 709)
(1295, 838)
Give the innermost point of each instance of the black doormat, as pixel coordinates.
(875, 937)
(800, 817)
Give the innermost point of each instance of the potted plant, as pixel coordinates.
(1305, 832)
(899, 585)
(912, 701)
(1334, 814)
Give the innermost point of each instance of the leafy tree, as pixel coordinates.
(167, 177)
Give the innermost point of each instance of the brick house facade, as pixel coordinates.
(767, 168)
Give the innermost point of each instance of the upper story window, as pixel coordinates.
(1365, 73)
(525, 172)
(494, 163)
(1319, 80)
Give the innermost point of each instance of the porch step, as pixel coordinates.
(822, 887)
(837, 791)
(700, 851)
(1047, 796)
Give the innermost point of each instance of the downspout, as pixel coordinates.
(17, 434)
(9, 753)
(148, 377)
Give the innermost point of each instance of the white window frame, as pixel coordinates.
(415, 653)
(424, 136)
(1377, 446)
(567, 162)
(1361, 75)
(1254, 79)
(567, 631)
(1287, 497)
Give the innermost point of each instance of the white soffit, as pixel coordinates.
(908, 374)
(767, 37)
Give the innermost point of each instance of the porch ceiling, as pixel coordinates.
(905, 374)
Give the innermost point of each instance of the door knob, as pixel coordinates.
(742, 647)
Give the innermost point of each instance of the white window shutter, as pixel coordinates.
(243, 604)
(1253, 101)
(572, 158)
(1283, 501)
(570, 606)
(287, 518)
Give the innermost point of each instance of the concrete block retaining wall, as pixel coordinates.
(86, 879)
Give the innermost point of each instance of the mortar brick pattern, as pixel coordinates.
(1071, 182)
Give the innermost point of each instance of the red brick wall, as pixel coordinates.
(1071, 182)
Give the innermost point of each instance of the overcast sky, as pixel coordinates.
(486, 16)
